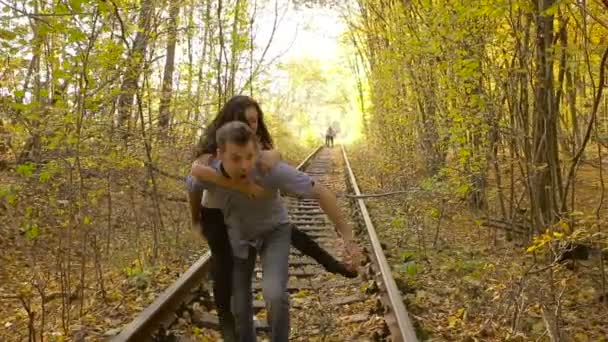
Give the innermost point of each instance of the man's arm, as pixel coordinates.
(290, 180)
(329, 205)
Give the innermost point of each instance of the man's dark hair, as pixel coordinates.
(234, 132)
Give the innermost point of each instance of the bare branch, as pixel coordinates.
(274, 29)
(123, 31)
(382, 194)
(596, 103)
(593, 16)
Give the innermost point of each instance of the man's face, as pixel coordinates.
(238, 161)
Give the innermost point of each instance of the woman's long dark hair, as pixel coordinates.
(234, 110)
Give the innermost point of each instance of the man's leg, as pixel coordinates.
(305, 244)
(242, 299)
(216, 234)
(275, 265)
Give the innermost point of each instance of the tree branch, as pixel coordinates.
(596, 103)
(123, 31)
(272, 34)
(163, 173)
(596, 18)
(25, 13)
(381, 194)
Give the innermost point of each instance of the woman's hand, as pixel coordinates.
(203, 160)
(268, 159)
(196, 225)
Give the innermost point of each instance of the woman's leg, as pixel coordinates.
(310, 247)
(214, 230)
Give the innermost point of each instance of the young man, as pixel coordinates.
(262, 225)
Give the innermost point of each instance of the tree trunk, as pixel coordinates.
(236, 48)
(190, 67)
(164, 115)
(546, 173)
(221, 89)
(134, 63)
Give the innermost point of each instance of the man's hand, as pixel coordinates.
(353, 253)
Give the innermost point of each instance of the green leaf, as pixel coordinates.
(398, 222)
(19, 93)
(12, 199)
(32, 232)
(552, 10)
(7, 35)
(407, 256)
(9, 193)
(43, 30)
(532, 248)
(76, 5)
(61, 8)
(412, 268)
(44, 176)
(26, 169)
(464, 153)
(452, 321)
(76, 35)
(463, 189)
(435, 213)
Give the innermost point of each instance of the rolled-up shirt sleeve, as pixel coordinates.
(194, 185)
(290, 180)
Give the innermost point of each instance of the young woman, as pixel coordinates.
(209, 216)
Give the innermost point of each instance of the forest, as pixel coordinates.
(484, 123)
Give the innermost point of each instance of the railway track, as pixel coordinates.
(323, 306)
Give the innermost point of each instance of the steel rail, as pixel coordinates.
(404, 324)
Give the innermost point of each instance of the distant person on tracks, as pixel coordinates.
(244, 109)
(329, 137)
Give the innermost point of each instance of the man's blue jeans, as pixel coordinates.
(274, 253)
